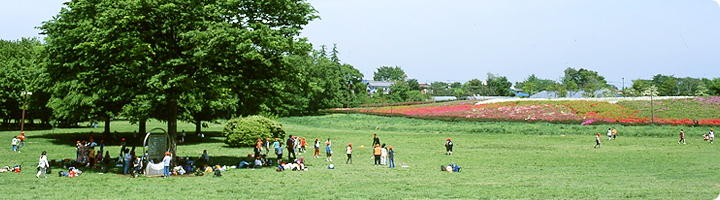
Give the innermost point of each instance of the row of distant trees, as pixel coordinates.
(573, 80)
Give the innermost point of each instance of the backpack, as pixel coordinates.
(62, 173)
(217, 173)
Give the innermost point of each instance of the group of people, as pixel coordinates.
(383, 155)
(710, 136)
(17, 142)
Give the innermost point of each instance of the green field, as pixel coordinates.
(499, 161)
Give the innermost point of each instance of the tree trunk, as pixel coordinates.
(172, 126)
(142, 129)
(198, 126)
(107, 125)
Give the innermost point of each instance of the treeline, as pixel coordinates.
(663, 85)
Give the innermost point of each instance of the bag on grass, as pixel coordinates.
(217, 173)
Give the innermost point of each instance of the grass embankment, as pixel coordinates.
(499, 161)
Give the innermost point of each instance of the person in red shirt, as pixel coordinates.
(597, 141)
(22, 139)
(682, 137)
(302, 145)
(258, 147)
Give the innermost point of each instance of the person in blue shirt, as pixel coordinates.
(278, 153)
(391, 157)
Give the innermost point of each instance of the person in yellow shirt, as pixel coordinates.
(614, 133)
(377, 152)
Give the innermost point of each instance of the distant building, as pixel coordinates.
(424, 88)
(375, 86)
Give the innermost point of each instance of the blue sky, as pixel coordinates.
(459, 40)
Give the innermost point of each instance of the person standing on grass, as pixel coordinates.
(609, 134)
(22, 138)
(376, 140)
(302, 145)
(448, 146)
(291, 148)
(278, 153)
(383, 155)
(267, 146)
(14, 144)
(166, 162)
(377, 152)
(276, 144)
(258, 147)
(126, 160)
(91, 158)
(317, 148)
(348, 151)
(682, 137)
(711, 135)
(391, 157)
(614, 133)
(597, 141)
(42, 165)
(328, 151)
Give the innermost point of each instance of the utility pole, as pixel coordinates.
(652, 111)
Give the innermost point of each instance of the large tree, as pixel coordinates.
(22, 69)
(584, 79)
(173, 48)
(532, 84)
(387, 73)
(498, 85)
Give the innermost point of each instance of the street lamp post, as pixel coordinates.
(22, 121)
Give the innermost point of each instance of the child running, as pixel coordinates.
(682, 137)
(597, 141)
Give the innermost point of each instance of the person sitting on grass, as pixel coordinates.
(258, 163)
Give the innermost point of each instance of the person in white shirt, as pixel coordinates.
(383, 155)
(712, 136)
(348, 150)
(14, 144)
(42, 165)
(609, 133)
(166, 162)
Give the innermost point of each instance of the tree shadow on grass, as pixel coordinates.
(70, 139)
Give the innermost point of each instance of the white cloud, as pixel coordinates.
(717, 1)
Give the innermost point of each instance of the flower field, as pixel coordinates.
(681, 111)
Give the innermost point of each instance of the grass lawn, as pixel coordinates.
(522, 161)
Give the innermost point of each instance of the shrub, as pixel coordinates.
(246, 131)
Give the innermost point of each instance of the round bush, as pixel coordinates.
(245, 131)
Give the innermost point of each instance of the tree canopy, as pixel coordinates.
(169, 50)
(387, 73)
